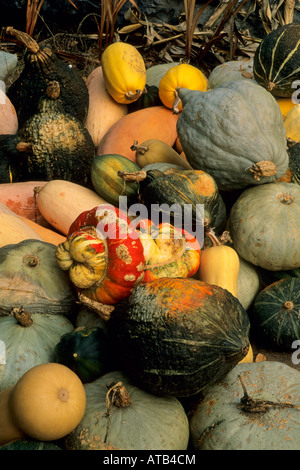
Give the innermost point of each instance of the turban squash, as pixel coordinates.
(234, 132)
(103, 254)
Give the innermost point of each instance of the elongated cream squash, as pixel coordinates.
(48, 235)
(219, 265)
(13, 229)
(124, 72)
(103, 111)
(60, 202)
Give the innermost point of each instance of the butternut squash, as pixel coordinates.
(60, 202)
(20, 198)
(155, 122)
(219, 265)
(13, 229)
(103, 111)
(47, 234)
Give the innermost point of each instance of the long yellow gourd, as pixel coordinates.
(219, 265)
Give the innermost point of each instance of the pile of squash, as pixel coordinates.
(149, 242)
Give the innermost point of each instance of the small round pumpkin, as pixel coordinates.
(48, 402)
(121, 416)
(275, 314)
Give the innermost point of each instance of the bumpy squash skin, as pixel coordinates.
(217, 423)
(276, 60)
(229, 129)
(167, 337)
(61, 148)
(275, 314)
(40, 69)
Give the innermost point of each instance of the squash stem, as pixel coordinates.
(177, 102)
(24, 38)
(22, 316)
(134, 176)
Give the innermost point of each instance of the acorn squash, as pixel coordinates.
(234, 132)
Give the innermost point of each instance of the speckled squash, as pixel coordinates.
(121, 416)
(264, 224)
(275, 314)
(234, 132)
(230, 71)
(220, 421)
(177, 336)
(29, 340)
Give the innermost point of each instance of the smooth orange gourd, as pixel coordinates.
(156, 122)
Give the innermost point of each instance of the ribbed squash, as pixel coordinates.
(275, 314)
(124, 72)
(178, 336)
(276, 60)
(180, 76)
(219, 265)
(106, 181)
(292, 124)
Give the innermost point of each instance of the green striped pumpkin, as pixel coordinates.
(275, 318)
(276, 64)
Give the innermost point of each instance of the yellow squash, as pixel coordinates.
(292, 123)
(124, 72)
(219, 265)
(180, 76)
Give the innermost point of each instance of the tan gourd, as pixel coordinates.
(154, 151)
(13, 229)
(219, 265)
(60, 202)
(8, 430)
(103, 111)
(48, 402)
(47, 234)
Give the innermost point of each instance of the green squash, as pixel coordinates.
(221, 422)
(29, 340)
(148, 98)
(155, 73)
(31, 278)
(264, 224)
(106, 181)
(249, 283)
(171, 194)
(120, 416)
(175, 337)
(30, 444)
(41, 66)
(85, 351)
(234, 132)
(276, 60)
(53, 144)
(230, 71)
(274, 317)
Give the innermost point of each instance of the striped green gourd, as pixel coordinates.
(276, 64)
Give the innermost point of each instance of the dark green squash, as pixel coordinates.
(177, 336)
(53, 144)
(42, 66)
(8, 155)
(148, 98)
(85, 351)
(30, 444)
(294, 162)
(106, 181)
(185, 193)
(275, 318)
(276, 60)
